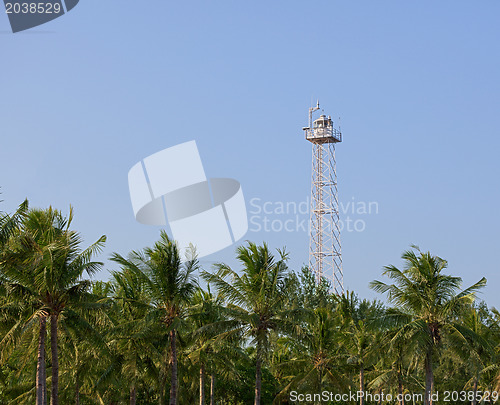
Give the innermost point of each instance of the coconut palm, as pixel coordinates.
(43, 265)
(211, 350)
(81, 344)
(471, 345)
(359, 333)
(255, 299)
(395, 368)
(428, 303)
(205, 311)
(170, 285)
(9, 223)
(133, 337)
(314, 359)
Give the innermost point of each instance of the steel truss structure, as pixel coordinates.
(325, 258)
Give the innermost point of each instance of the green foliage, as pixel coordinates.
(259, 326)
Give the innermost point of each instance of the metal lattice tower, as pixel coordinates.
(325, 258)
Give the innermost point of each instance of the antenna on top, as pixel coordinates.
(311, 110)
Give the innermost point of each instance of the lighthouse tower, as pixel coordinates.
(325, 258)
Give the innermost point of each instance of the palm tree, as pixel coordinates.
(170, 285)
(81, 345)
(395, 367)
(315, 356)
(205, 311)
(255, 299)
(428, 303)
(9, 223)
(43, 264)
(133, 337)
(358, 333)
(212, 353)
(472, 345)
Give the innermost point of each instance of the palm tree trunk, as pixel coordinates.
(173, 364)
(163, 379)
(429, 378)
(400, 390)
(362, 385)
(212, 389)
(41, 380)
(258, 378)
(77, 390)
(133, 396)
(54, 394)
(320, 372)
(474, 389)
(202, 384)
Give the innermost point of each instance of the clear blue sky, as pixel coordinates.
(416, 84)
